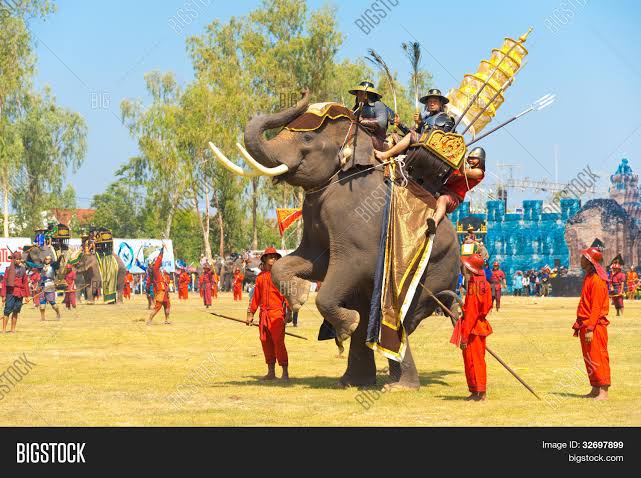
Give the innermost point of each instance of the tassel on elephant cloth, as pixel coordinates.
(404, 253)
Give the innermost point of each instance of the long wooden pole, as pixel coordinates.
(499, 360)
(255, 325)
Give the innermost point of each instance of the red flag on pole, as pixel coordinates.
(286, 217)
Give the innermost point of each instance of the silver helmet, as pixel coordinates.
(477, 153)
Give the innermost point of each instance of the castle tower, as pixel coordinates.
(624, 190)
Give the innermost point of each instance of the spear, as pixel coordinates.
(255, 325)
(538, 105)
(454, 319)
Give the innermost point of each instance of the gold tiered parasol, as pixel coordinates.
(478, 97)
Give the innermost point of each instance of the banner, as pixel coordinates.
(145, 251)
(286, 217)
(128, 250)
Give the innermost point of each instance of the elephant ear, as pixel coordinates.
(358, 152)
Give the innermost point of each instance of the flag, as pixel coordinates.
(286, 217)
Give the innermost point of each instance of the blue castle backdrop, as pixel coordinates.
(532, 238)
(523, 241)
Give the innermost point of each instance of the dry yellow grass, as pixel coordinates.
(99, 367)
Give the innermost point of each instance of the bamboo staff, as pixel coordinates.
(255, 325)
(454, 319)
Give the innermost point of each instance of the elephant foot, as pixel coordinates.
(347, 381)
(346, 328)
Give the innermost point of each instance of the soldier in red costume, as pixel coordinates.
(472, 329)
(70, 282)
(617, 283)
(274, 313)
(497, 281)
(160, 280)
(592, 321)
(238, 284)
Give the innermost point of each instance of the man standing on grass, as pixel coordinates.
(238, 284)
(497, 281)
(617, 283)
(591, 322)
(15, 286)
(183, 285)
(472, 329)
(129, 280)
(160, 280)
(70, 282)
(273, 315)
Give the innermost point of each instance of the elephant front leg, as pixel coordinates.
(330, 302)
(361, 366)
(291, 275)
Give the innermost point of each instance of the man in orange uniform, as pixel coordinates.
(214, 284)
(205, 285)
(633, 282)
(183, 285)
(238, 284)
(273, 314)
(160, 281)
(472, 329)
(126, 291)
(591, 322)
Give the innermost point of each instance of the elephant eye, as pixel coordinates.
(308, 137)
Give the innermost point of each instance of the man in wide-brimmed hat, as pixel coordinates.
(373, 114)
(592, 321)
(434, 115)
(273, 315)
(472, 329)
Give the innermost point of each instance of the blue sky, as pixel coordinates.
(95, 54)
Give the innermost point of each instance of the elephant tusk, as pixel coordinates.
(276, 171)
(229, 165)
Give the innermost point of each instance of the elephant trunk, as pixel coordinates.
(256, 144)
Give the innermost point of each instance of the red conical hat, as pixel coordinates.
(270, 250)
(474, 263)
(595, 256)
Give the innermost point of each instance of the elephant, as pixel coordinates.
(88, 273)
(340, 244)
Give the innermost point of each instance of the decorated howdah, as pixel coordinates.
(104, 241)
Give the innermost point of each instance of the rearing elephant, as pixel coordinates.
(340, 244)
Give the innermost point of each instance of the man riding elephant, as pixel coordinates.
(340, 244)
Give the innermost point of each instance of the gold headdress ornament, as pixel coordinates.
(484, 89)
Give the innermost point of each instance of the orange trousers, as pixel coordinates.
(474, 360)
(272, 338)
(126, 292)
(238, 293)
(595, 356)
(183, 292)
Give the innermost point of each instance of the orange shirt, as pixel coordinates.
(267, 296)
(238, 279)
(478, 303)
(593, 304)
(129, 278)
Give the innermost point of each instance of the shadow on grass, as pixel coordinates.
(323, 382)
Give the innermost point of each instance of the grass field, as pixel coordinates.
(97, 366)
